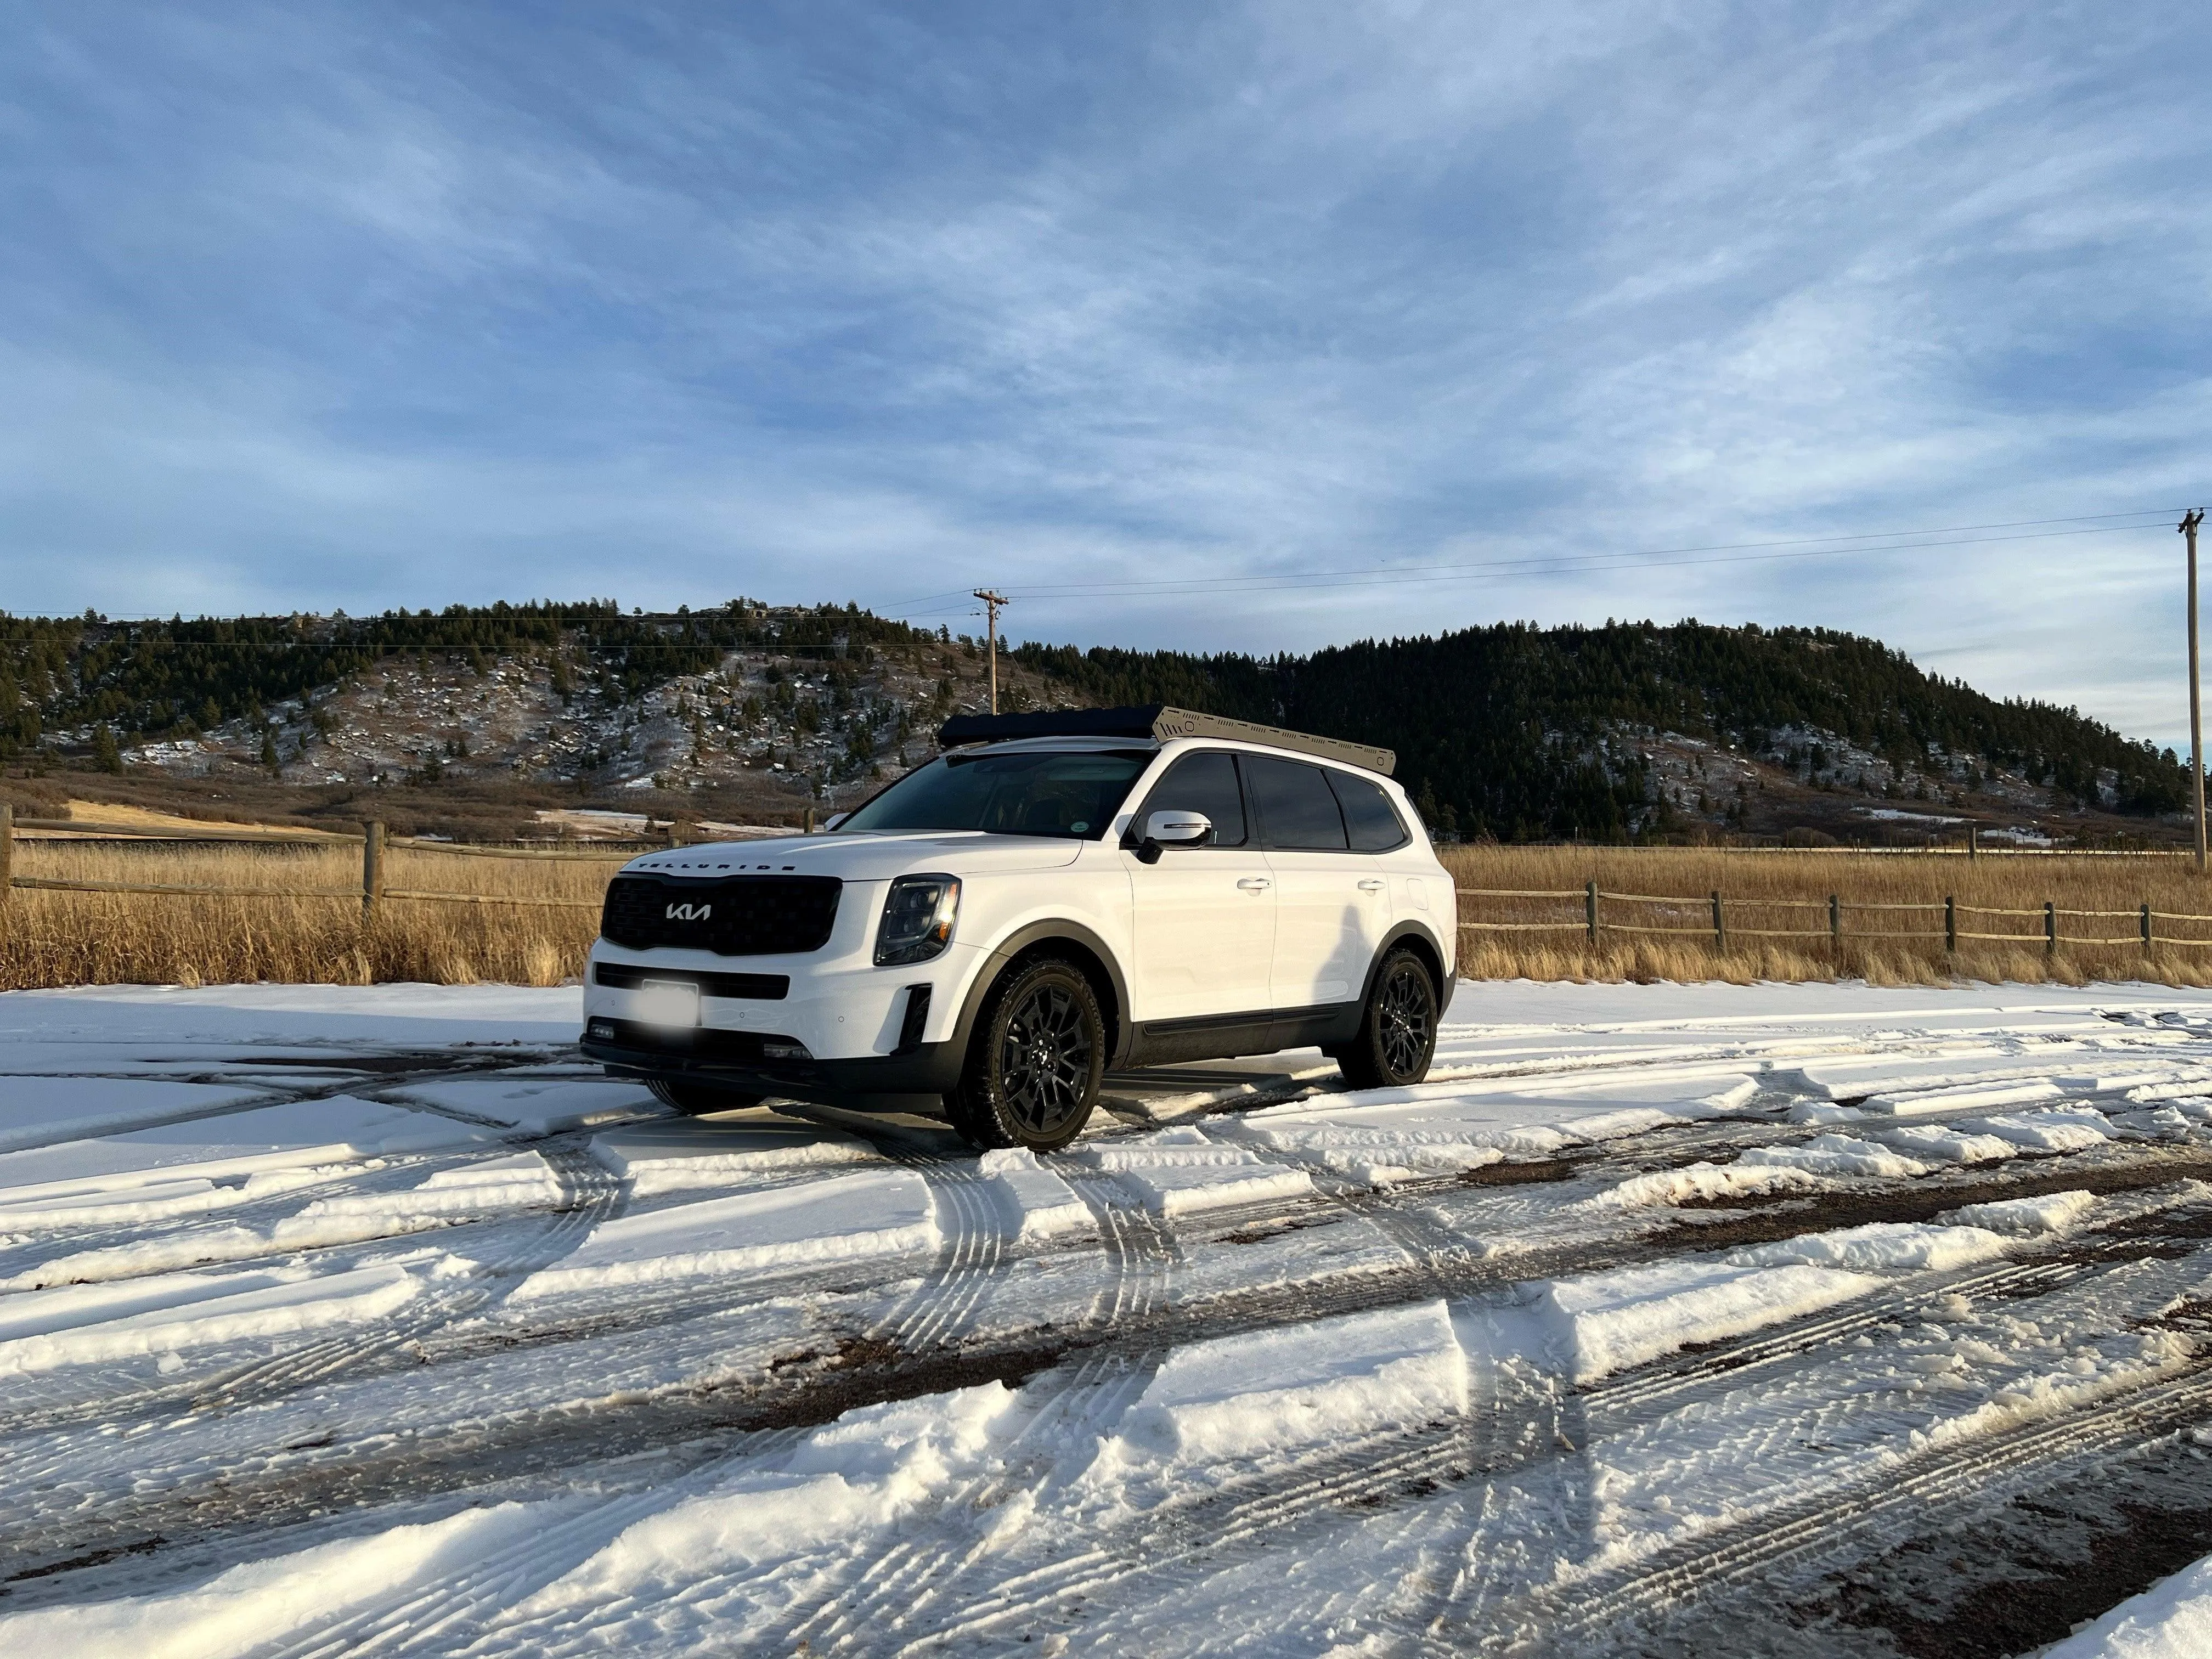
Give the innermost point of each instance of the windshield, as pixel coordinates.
(1022, 794)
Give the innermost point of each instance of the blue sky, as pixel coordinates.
(313, 306)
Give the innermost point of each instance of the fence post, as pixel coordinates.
(7, 851)
(809, 828)
(1950, 924)
(371, 868)
(2050, 928)
(1720, 924)
(2146, 928)
(1590, 909)
(1836, 919)
(1972, 853)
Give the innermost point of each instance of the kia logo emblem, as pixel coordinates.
(689, 912)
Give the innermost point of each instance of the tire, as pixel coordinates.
(695, 1099)
(1397, 1036)
(1035, 1062)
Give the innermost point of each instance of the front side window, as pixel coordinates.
(1368, 813)
(1297, 811)
(1205, 782)
(1021, 793)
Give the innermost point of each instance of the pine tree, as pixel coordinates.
(105, 753)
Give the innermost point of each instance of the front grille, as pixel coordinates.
(735, 916)
(758, 987)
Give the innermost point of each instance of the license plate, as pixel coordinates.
(666, 1002)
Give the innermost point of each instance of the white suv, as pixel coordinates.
(1074, 893)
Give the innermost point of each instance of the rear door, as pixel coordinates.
(1331, 905)
(1205, 916)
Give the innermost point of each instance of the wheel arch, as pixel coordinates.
(1076, 943)
(1413, 936)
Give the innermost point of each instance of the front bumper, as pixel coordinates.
(735, 1060)
(837, 1002)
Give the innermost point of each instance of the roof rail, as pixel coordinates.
(1158, 722)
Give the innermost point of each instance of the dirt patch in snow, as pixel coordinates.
(1754, 1220)
(2046, 1564)
(1528, 1172)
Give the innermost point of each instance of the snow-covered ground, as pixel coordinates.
(1662, 1320)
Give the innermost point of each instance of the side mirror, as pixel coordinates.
(834, 820)
(1174, 827)
(1177, 827)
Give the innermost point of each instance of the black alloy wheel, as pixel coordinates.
(696, 1099)
(1035, 1063)
(1397, 1028)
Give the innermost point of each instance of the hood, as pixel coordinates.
(865, 857)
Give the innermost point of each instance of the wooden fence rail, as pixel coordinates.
(1716, 924)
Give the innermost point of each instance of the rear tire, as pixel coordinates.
(1036, 1062)
(1397, 1028)
(696, 1099)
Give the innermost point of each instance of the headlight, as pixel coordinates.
(918, 917)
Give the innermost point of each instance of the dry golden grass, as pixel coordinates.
(49, 938)
(80, 937)
(1781, 892)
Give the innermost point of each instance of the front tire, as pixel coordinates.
(696, 1099)
(1397, 1028)
(1036, 1062)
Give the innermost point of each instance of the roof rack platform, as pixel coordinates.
(1158, 722)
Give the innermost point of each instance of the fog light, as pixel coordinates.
(600, 1030)
(775, 1049)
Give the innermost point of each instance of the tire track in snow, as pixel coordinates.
(885, 1590)
(937, 1311)
(591, 1195)
(1238, 1516)
(439, 1612)
(1095, 1390)
(2078, 1289)
(1932, 1489)
(1652, 1391)
(1128, 1322)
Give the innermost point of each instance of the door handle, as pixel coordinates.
(1370, 886)
(1256, 883)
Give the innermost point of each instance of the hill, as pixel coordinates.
(752, 713)
(1523, 732)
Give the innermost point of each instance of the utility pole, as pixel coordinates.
(993, 599)
(2188, 528)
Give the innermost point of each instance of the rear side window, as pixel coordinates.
(1204, 782)
(1296, 809)
(1367, 814)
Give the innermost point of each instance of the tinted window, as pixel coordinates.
(1021, 793)
(1367, 813)
(1295, 807)
(1202, 783)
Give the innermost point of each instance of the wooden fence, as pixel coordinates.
(373, 842)
(1601, 912)
(1949, 921)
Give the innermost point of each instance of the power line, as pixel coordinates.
(1654, 558)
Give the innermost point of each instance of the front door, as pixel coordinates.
(1205, 916)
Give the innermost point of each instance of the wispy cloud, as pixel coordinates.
(369, 305)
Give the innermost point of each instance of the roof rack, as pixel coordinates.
(1158, 722)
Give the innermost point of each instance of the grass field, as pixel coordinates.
(77, 938)
(1780, 892)
(49, 938)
